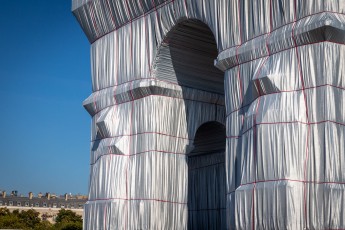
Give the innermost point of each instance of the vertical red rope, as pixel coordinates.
(131, 120)
(131, 45)
(305, 173)
(111, 14)
(115, 47)
(129, 153)
(255, 138)
(93, 18)
(254, 159)
(237, 59)
(271, 29)
(257, 84)
(130, 34)
(116, 65)
(105, 216)
(146, 36)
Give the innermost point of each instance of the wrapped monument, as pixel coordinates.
(216, 114)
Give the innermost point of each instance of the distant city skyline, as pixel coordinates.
(35, 194)
(44, 77)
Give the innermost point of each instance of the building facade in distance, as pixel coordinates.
(47, 205)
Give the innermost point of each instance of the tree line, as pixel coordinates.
(30, 219)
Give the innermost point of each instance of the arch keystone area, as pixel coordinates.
(270, 72)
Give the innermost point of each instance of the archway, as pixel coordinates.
(186, 58)
(207, 180)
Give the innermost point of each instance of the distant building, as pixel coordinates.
(48, 201)
(48, 205)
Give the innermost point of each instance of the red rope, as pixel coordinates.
(137, 199)
(141, 133)
(139, 153)
(288, 91)
(255, 145)
(284, 122)
(279, 27)
(111, 13)
(93, 17)
(307, 117)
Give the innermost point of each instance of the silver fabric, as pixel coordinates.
(280, 94)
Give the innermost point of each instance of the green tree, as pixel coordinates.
(69, 226)
(4, 212)
(44, 225)
(30, 218)
(26, 220)
(10, 220)
(67, 216)
(68, 220)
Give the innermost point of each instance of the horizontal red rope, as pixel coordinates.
(134, 134)
(286, 91)
(286, 122)
(134, 154)
(137, 199)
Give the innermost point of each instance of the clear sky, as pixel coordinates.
(44, 77)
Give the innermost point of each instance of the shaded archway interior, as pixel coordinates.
(207, 178)
(209, 138)
(186, 57)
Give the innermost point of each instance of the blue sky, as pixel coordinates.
(44, 77)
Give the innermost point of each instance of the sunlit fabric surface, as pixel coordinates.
(272, 72)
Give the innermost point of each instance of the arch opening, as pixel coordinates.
(187, 55)
(209, 138)
(207, 179)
